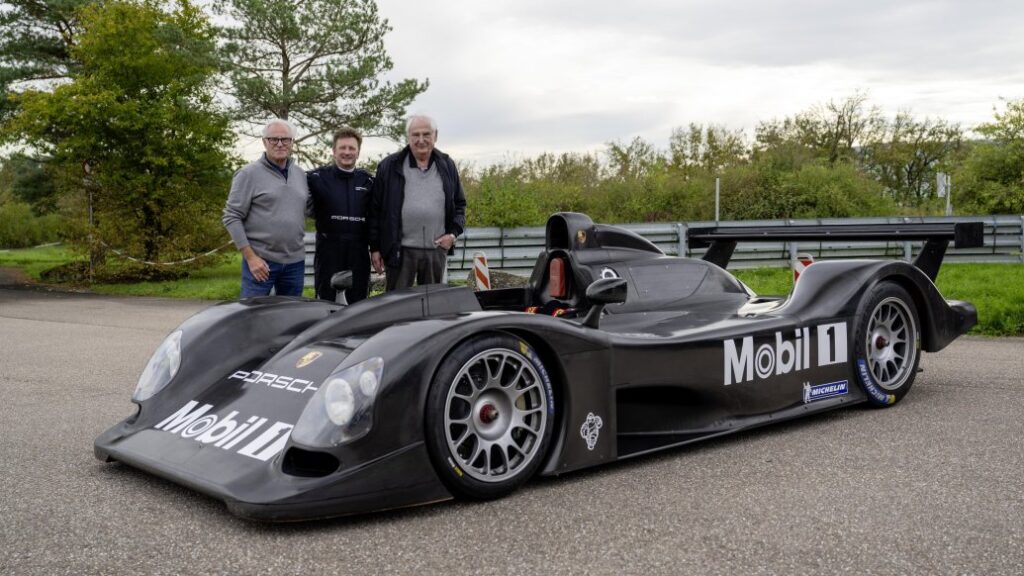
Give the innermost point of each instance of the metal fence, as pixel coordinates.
(516, 249)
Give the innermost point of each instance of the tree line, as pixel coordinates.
(838, 159)
(123, 116)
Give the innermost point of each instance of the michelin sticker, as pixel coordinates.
(591, 429)
(822, 391)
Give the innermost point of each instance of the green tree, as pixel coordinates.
(27, 180)
(36, 37)
(634, 160)
(318, 64)
(830, 132)
(709, 149)
(906, 153)
(991, 179)
(140, 117)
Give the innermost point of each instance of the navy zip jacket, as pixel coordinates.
(339, 201)
(385, 217)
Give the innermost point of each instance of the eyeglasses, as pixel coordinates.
(279, 141)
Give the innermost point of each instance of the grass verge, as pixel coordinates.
(33, 261)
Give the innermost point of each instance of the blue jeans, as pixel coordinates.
(285, 279)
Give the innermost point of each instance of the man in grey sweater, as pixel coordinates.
(265, 216)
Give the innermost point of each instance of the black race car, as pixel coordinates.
(289, 409)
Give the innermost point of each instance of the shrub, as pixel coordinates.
(21, 228)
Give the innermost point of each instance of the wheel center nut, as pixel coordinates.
(488, 414)
(881, 342)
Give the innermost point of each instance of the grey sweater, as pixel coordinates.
(267, 212)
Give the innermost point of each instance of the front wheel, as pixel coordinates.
(887, 344)
(490, 414)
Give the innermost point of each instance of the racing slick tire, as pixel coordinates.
(489, 416)
(887, 344)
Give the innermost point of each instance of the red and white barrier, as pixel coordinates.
(481, 274)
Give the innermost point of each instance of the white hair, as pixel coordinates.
(414, 117)
(292, 132)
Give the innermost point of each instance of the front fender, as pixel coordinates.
(232, 335)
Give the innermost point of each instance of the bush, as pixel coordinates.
(21, 228)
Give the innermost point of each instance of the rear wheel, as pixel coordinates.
(887, 344)
(490, 413)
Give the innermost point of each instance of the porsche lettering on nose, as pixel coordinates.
(279, 381)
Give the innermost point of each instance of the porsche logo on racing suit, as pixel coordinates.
(228, 432)
(742, 362)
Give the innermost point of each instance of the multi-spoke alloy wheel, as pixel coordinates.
(495, 413)
(887, 343)
(891, 343)
(489, 416)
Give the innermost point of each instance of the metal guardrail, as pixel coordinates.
(515, 249)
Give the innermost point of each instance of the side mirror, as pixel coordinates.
(601, 293)
(341, 281)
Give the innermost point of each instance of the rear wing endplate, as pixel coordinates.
(721, 241)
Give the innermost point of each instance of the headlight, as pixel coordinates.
(342, 409)
(162, 367)
(340, 401)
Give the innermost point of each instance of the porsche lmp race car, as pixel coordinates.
(288, 408)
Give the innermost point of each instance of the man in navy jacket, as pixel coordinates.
(339, 198)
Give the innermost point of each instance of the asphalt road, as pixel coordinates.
(934, 485)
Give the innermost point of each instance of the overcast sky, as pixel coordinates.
(510, 79)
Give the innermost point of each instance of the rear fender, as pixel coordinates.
(833, 289)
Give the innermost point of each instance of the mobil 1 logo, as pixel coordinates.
(254, 436)
(785, 353)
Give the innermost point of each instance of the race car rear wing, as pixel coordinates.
(721, 241)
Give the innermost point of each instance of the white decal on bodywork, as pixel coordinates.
(744, 363)
(591, 429)
(225, 432)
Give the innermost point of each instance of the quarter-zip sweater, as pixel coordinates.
(266, 210)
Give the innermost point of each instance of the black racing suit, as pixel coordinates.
(339, 202)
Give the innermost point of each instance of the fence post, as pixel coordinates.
(1021, 238)
(908, 251)
(682, 248)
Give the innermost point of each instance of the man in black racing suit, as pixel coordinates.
(339, 195)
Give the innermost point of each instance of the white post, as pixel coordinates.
(717, 197)
(949, 196)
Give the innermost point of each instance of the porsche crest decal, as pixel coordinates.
(308, 359)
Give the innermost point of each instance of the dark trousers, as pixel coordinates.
(334, 255)
(419, 265)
